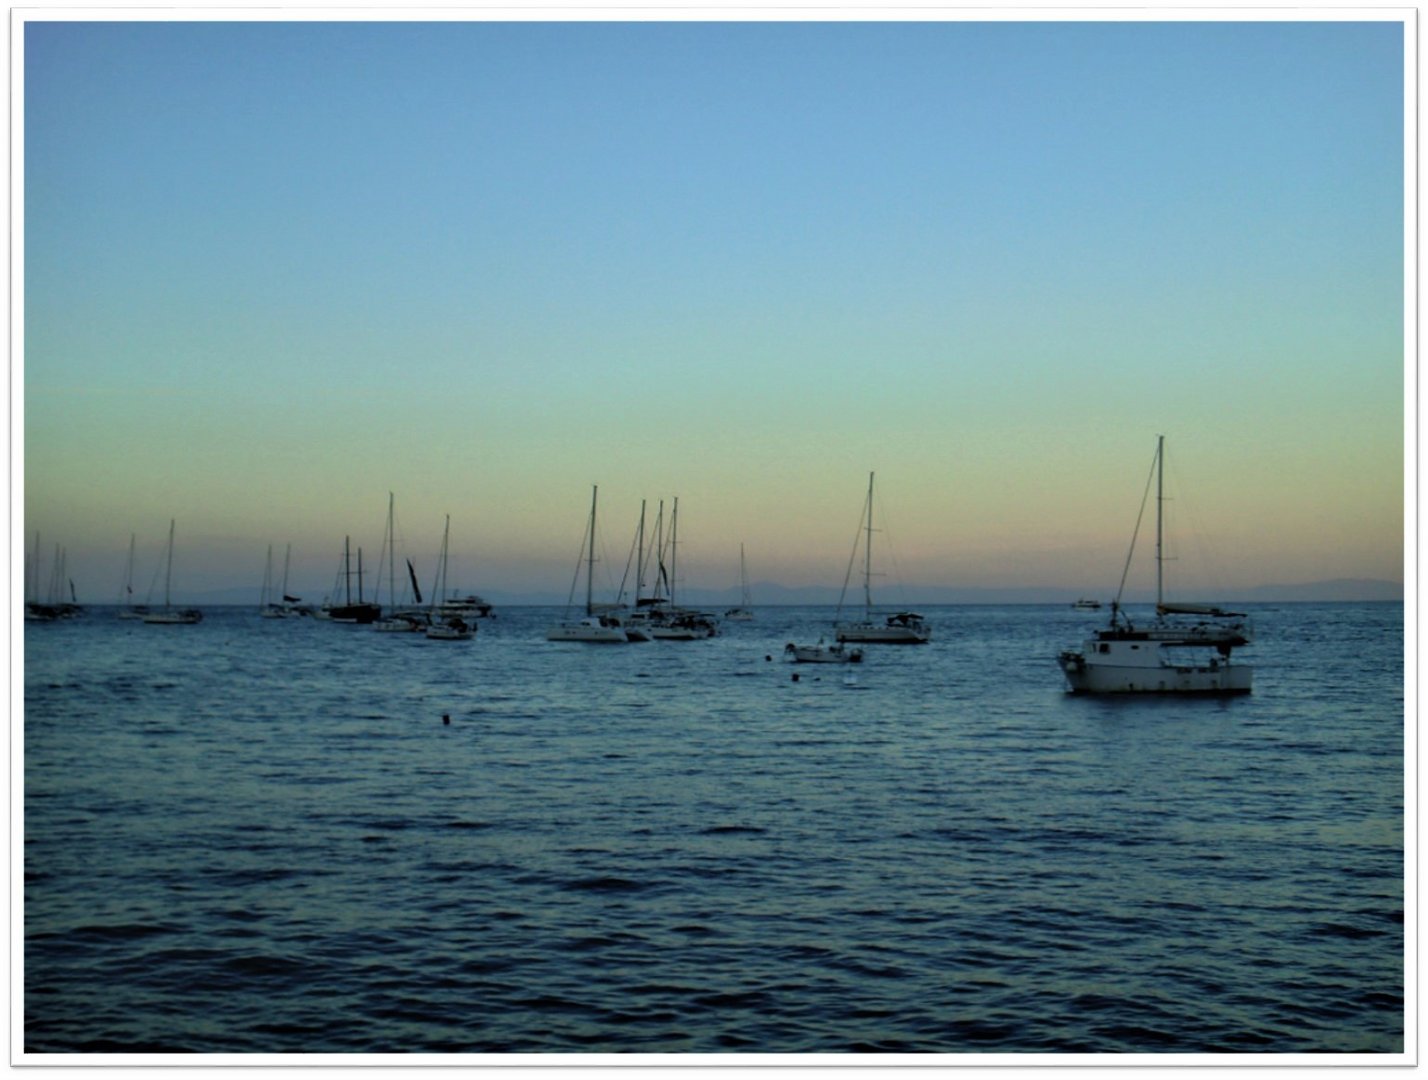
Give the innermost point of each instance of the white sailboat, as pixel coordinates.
(743, 612)
(897, 628)
(670, 622)
(450, 626)
(127, 608)
(1185, 650)
(171, 616)
(593, 628)
(396, 621)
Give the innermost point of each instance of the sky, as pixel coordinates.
(276, 270)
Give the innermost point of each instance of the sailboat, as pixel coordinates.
(283, 607)
(742, 613)
(898, 628)
(396, 621)
(1185, 650)
(449, 627)
(593, 628)
(169, 616)
(362, 611)
(672, 622)
(127, 608)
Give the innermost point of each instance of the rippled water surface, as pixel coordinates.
(260, 836)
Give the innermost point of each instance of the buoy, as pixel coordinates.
(795, 676)
(446, 718)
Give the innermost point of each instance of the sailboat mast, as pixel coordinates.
(287, 558)
(391, 553)
(640, 560)
(128, 574)
(347, 565)
(673, 549)
(169, 563)
(868, 557)
(743, 580)
(1159, 519)
(439, 588)
(590, 556)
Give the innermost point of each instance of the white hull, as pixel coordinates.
(822, 654)
(738, 615)
(173, 618)
(1147, 667)
(681, 633)
(449, 633)
(873, 634)
(592, 630)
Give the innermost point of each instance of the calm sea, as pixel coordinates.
(260, 836)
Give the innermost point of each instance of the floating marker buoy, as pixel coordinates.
(795, 676)
(446, 718)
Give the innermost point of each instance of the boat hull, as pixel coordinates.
(1085, 675)
(822, 654)
(872, 634)
(355, 613)
(592, 631)
(173, 618)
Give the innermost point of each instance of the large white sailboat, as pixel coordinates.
(896, 628)
(448, 626)
(594, 627)
(169, 615)
(1186, 649)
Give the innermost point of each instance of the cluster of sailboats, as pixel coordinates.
(53, 607)
(1184, 649)
(442, 617)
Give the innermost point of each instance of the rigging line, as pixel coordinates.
(1145, 498)
(579, 562)
(624, 579)
(852, 559)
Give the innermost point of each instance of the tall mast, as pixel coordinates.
(391, 553)
(347, 565)
(125, 597)
(640, 559)
(438, 591)
(660, 575)
(286, 559)
(673, 548)
(169, 565)
(743, 580)
(868, 558)
(1159, 518)
(267, 580)
(590, 556)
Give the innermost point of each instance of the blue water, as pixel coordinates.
(260, 836)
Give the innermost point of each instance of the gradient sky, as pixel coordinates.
(275, 270)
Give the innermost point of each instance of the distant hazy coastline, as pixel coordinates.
(769, 594)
